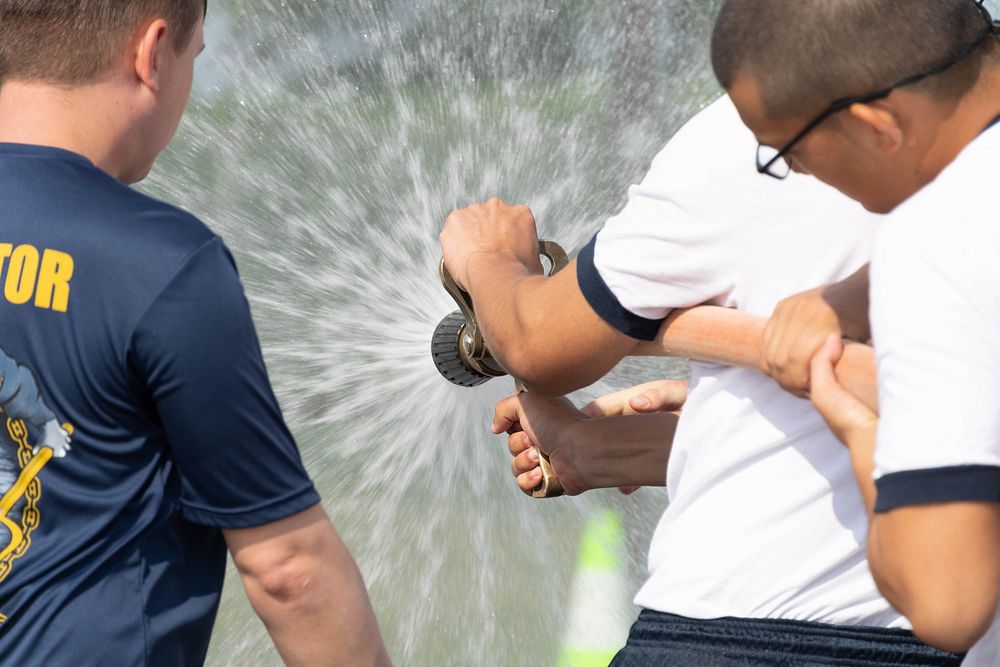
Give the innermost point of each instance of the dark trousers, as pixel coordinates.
(665, 639)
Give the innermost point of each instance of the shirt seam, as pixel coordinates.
(156, 297)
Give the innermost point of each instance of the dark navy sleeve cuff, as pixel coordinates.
(261, 515)
(938, 485)
(605, 303)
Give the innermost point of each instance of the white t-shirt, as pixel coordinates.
(765, 518)
(936, 321)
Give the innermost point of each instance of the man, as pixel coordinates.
(896, 106)
(130, 315)
(759, 556)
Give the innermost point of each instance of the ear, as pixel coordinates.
(881, 124)
(151, 40)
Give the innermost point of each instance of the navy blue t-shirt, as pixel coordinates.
(137, 420)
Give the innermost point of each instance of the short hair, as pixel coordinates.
(805, 54)
(75, 41)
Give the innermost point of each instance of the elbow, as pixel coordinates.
(950, 628)
(283, 578)
(949, 615)
(543, 375)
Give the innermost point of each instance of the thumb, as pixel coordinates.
(843, 412)
(825, 391)
(506, 414)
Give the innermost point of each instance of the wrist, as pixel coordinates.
(861, 444)
(575, 458)
(491, 268)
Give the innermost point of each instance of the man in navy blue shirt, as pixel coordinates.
(139, 436)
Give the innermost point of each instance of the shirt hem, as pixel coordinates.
(252, 518)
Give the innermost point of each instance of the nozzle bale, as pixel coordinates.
(448, 349)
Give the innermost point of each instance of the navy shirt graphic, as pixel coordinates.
(136, 420)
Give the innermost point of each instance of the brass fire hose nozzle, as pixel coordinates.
(463, 358)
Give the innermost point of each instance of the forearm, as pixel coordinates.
(310, 595)
(541, 329)
(861, 446)
(328, 622)
(504, 294)
(939, 565)
(849, 300)
(610, 452)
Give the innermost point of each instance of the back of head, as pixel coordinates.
(804, 54)
(68, 42)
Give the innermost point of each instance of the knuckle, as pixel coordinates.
(526, 484)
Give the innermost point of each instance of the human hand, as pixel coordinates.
(658, 396)
(494, 229)
(534, 423)
(801, 325)
(850, 420)
(55, 437)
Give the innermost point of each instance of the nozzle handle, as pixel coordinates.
(550, 486)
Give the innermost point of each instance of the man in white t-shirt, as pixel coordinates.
(759, 558)
(914, 131)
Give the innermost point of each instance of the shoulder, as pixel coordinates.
(950, 223)
(147, 236)
(150, 222)
(710, 139)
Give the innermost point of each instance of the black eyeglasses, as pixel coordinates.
(773, 162)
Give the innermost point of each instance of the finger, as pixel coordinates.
(519, 442)
(593, 409)
(612, 405)
(628, 490)
(784, 342)
(524, 462)
(808, 339)
(506, 415)
(665, 397)
(529, 480)
(843, 412)
(824, 388)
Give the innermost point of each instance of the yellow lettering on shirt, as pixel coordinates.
(5, 250)
(22, 272)
(53, 281)
(25, 273)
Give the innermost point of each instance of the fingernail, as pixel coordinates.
(533, 454)
(640, 402)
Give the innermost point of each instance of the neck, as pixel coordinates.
(85, 119)
(961, 123)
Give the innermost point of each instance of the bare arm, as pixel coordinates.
(527, 319)
(938, 564)
(587, 453)
(801, 323)
(306, 588)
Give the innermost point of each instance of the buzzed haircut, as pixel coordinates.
(805, 54)
(75, 41)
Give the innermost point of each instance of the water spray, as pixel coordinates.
(461, 355)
